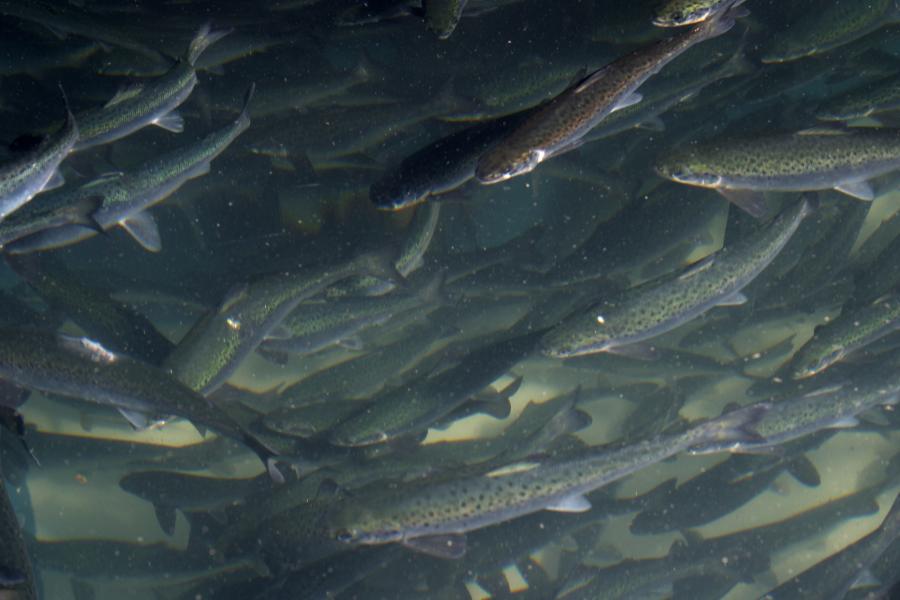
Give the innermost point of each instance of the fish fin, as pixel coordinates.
(637, 351)
(451, 546)
(498, 408)
(861, 190)
(824, 391)
(82, 213)
(575, 420)
(731, 429)
(281, 331)
(570, 504)
(140, 421)
(267, 455)
(865, 578)
(629, 100)
(351, 343)
(803, 470)
(143, 229)
(165, 516)
(824, 130)
(735, 299)
(875, 418)
(658, 495)
(587, 81)
(56, 181)
(653, 124)
(845, 423)
(87, 348)
(278, 357)
(512, 469)
(237, 293)
(698, 267)
(11, 395)
(125, 92)
(751, 202)
(103, 178)
(171, 121)
(204, 38)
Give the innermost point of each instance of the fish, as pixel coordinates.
(62, 20)
(440, 167)
(17, 581)
(814, 159)
(37, 169)
(442, 16)
(356, 379)
(126, 197)
(873, 98)
(837, 574)
(214, 348)
(411, 409)
(112, 323)
(833, 26)
(834, 406)
(42, 216)
(314, 326)
(848, 333)
(410, 257)
(678, 13)
(719, 491)
(287, 97)
(169, 490)
(559, 124)
(635, 578)
(434, 517)
(654, 308)
(83, 369)
(152, 103)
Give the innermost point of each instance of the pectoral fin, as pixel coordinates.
(753, 203)
(56, 181)
(861, 190)
(571, 504)
(165, 516)
(142, 227)
(735, 299)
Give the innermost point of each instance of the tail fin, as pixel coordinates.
(729, 431)
(267, 455)
(203, 40)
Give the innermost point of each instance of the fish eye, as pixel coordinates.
(345, 536)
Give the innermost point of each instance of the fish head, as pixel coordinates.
(354, 524)
(358, 432)
(690, 170)
(574, 339)
(495, 167)
(815, 363)
(679, 13)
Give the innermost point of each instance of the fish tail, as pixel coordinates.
(205, 38)
(381, 264)
(724, 20)
(267, 455)
(730, 430)
(244, 118)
